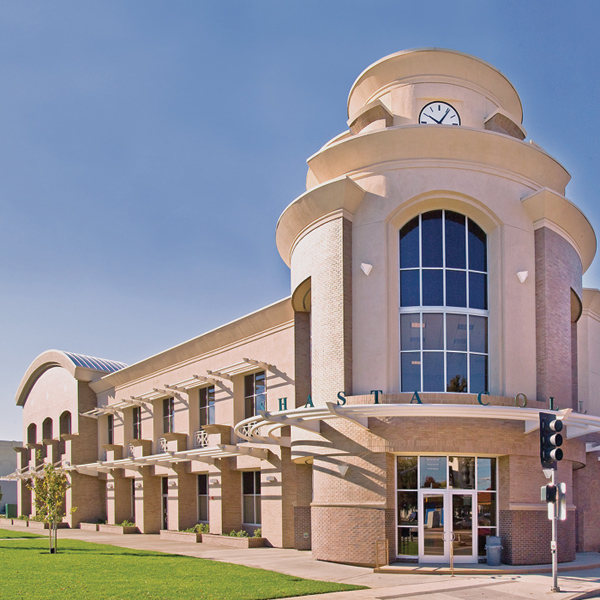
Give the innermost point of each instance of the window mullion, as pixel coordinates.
(420, 261)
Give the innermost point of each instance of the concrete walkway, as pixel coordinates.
(582, 580)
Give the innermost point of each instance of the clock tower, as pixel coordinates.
(435, 261)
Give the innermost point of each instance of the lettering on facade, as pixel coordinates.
(520, 400)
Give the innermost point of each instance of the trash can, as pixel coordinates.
(493, 550)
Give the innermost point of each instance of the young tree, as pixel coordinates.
(49, 487)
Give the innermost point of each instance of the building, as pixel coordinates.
(8, 487)
(436, 308)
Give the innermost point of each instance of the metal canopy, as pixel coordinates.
(168, 458)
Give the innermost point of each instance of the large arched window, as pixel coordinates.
(443, 304)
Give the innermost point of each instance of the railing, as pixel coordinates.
(131, 451)
(162, 445)
(200, 439)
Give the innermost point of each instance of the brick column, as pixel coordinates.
(148, 501)
(88, 495)
(118, 499)
(225, 499)
(183, 500)
(558, 270)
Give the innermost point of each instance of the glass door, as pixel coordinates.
(462, 526)
(445, 502)
(446, 520)
(433, 541)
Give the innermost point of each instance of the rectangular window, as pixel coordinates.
(255, 393)
(203, 498)
(137, 423)
(207, 405)
(486, 501)
(251, 497)
(169, 415)
(111, 429)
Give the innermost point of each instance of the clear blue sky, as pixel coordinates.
(147, 148)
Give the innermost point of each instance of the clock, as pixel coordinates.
(439, 113)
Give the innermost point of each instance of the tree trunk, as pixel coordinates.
(50, 536)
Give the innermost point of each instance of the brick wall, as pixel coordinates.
(347, 534)
(526, 536)
(587, 483)
(325, 255)
(557, 270)
(302, 528)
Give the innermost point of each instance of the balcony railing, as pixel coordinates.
(200, 439)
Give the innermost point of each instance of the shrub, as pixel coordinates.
(257, 532)
(23, 517)
(240, 533)
(127, 523)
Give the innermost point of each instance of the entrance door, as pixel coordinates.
(445, 519)
(433, 541)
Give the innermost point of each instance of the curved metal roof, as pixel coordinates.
(98, 364)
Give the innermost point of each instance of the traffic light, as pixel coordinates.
(550, 440)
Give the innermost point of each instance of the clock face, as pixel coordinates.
(439, 113)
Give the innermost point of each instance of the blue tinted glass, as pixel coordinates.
(431, 223)
(261, 402)
(411, 371)
(478, 290)
(409, 244)
(477, 249)
(433, 471)
(478, 332)
(410, 332)
(456, 288)
(433, 331)
(433, 371)
(456, 332)
(456, 255)
(479, 373)
(456, 372)
(433, 290)
(409, 288)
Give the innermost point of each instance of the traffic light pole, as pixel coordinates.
(553, 543)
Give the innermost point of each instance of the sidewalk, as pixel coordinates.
(577, 580)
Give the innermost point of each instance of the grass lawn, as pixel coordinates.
(8, 534)
(99, 572)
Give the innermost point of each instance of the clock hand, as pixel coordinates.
(442, 119)
(434, 119)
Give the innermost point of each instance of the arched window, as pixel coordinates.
(443, 304)
(32, 434)
(65, 422)
(47, 429)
